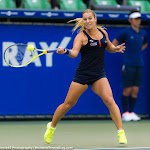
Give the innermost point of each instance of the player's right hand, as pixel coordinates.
(61, 50)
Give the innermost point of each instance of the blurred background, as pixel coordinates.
(35, 91)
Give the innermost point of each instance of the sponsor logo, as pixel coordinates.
(29, 13)
(113, 15)
(93, 44)
(99, 15)
(91, 41)
(148, 16)
(49, 14)
(69, 14)
(9, 13)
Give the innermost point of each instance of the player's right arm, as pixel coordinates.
(77, 44)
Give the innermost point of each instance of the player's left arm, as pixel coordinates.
(111, 47)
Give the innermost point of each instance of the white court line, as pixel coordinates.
(132, 148)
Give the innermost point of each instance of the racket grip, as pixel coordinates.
(52, 50)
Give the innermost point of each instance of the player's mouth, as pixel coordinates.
(88, 25)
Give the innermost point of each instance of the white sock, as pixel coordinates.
(52, 127)
(119, 130)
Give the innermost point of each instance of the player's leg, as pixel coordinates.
(102, 88)
(74, 93)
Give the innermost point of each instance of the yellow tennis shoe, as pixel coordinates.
(48, 136)
(121, 137)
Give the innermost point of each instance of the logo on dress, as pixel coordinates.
(105, 41)
(93, 44)
(91, 40)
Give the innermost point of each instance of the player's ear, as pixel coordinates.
(96, 20)
(130, 20)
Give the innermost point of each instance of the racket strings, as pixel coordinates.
(18, 55)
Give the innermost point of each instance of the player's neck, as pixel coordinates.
(135, 28)
(92, 31)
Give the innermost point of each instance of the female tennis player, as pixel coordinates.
(91, 42)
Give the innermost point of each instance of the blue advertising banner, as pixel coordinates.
(43, 85)
(62, 14)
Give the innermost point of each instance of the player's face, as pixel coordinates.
(135, 22)
(89, 20)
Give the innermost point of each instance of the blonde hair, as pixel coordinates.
(79, 21)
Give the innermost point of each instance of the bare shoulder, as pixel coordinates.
(80, 35)
(105, 32)
(81, 38)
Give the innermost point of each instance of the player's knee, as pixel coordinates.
(69, 105)
(109, 102)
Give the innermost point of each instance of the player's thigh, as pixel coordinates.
(102, 88)
(75, 91)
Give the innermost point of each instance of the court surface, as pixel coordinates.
(99, 134)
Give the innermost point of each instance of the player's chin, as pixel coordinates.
(88, 27)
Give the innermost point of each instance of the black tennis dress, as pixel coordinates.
(91, 66)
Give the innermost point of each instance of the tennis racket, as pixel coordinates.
(18, 55)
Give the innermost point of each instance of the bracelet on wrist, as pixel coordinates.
(68, 52)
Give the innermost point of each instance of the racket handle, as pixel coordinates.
(52, 50)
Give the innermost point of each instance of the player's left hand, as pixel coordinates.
(120, 48)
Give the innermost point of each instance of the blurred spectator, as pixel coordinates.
(55, 4)
(122, 2)
(19, 3)
(119, 1)
(86, 2)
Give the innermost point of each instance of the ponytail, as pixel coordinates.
(79, 21)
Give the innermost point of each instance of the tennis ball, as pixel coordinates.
(30, 47)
